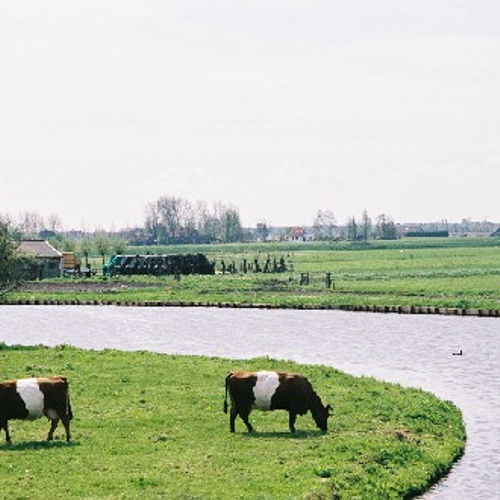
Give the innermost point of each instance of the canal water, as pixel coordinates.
(418, 351)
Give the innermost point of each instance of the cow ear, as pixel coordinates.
(329, 409)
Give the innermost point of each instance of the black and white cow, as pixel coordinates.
(32, 398)
(269, 390)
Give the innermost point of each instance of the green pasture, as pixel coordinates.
(446, 272)
(151, 426)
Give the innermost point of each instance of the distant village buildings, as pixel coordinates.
(300, 235)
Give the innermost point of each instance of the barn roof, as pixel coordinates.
(297, 232)
(39, 248)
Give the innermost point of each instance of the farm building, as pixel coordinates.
(299, 234)
(48, 260)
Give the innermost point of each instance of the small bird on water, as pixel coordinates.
(459, 353)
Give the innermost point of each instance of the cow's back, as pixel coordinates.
(293, 393)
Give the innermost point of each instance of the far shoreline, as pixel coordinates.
(415, 310)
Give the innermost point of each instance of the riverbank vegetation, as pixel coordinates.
(151, 426)
(432, 272)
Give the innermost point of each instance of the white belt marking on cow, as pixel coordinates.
(264, 389)
(32, 396)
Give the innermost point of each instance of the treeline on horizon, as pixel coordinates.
(174, 220)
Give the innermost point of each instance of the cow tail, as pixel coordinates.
(225, 397)
(70, 411)
(68, 405)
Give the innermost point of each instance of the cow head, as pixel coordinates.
(321, 417)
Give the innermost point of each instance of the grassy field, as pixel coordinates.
(451, 273)
(151, 426)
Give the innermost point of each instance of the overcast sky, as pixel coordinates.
(280, 108)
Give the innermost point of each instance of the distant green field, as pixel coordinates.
(151, 426)
(435, 272)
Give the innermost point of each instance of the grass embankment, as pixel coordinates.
(151, 426)
(445, 273)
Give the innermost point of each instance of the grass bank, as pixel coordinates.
(151, 426)
(458, 273)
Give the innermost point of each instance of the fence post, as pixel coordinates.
(328, 280)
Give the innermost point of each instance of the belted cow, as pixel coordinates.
(269, 390)
(31, 398)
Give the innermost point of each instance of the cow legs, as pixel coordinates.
(291, 420)
(65, 421)
(232, 418)
(244, 414)
(53, 425)
(54, 415)
(4, 424)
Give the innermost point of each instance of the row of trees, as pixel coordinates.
(172, 219)
(31, 224)
(175, 220)
(325, 227)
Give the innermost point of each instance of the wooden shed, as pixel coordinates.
(48, 259)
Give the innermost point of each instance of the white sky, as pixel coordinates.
(280, 108)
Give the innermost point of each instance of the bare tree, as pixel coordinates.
(366, 226)
(207, 222)
(230, 225)
(31, 223)
(325, 225)
(352, 229)
(7, 220)
(170, 213)
(153, 222)
(54, 223)
(386, 229)
(187, 222)
(102, 245)
(262, 230)
(86, 249)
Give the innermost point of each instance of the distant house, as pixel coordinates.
(496, 233)
(48, 260)
(299, 234)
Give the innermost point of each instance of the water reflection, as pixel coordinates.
(411, 350)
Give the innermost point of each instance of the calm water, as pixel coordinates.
(412, 350)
